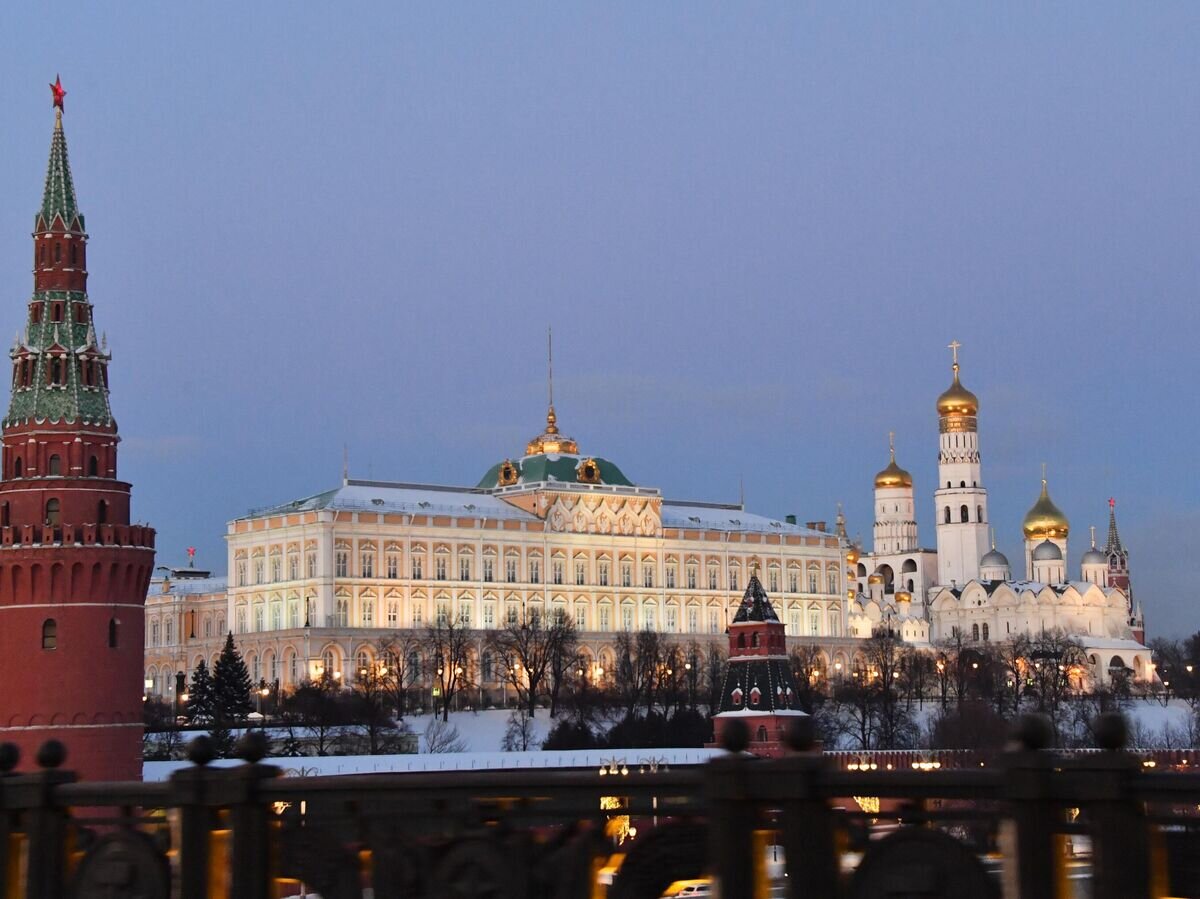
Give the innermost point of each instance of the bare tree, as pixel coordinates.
(564, 655)
(448, 640)
(398, 673)
(714, 676)
(635, 680)
(441, 736)
(525, 651)
(519, 732)
(371, 709)
(808, 672)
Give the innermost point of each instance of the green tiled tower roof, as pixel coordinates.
(58, 196)
(58, 346)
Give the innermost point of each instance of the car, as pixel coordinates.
(689, 889)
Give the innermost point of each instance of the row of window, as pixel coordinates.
(964, 514)
(50, 633)
(40, 253)
(54, 467)
(366, 569)
(91, 373)
(79, 312)
(277, 616)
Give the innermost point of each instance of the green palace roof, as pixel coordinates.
(566, 468)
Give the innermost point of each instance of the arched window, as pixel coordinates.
(979, 513)
(93, 466)
(974, 631)
(754, 639)
(762, 734)
(102, 512)
(57, 252)
(962, 483)
(43, 254)
(74, 254)
(18, 467)
(56, 370)
(53, 515)
(112, 633)
(964, 514)
(55, 469)
(49, 634)
(741, 641)
(947, 514)
(985, 633)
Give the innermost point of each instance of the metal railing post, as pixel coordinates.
(191, 792)
(1031, 863)
(809, 825)
(47, 823)
(251, 876)
(9, 756)
(1120, 835)
(732, 816)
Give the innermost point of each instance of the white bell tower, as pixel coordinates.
(960, 500)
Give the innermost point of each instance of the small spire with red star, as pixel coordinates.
(57, 89)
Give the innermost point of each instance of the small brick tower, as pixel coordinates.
(758, 689)
(73, 571)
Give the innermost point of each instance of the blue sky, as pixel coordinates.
(753, 227)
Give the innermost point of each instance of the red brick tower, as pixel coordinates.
(73, 571)
(759, 690)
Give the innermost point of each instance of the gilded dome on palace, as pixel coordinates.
(1045, 519)
(957, 400)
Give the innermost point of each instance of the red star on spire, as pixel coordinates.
(1111, 502)
(57, 89)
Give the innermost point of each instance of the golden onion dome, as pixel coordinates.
(957, 400)
(893, 476)
(1045, 519)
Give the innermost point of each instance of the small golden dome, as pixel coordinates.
(551, 441)
(1045, 520)
(957, 400)
(893, 475)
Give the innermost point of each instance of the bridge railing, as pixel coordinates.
(811, 826)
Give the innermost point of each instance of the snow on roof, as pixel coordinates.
(719, 517)
(416, 499)
(189, 586)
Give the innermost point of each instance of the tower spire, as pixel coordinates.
(1114, 538)
(551, 418)
(58, 195)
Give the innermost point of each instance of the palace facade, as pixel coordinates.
(316, 583)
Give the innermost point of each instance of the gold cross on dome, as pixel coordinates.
(954, 346)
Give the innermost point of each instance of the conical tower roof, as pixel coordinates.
(58, 195)
(1114, 544)
(755, 604)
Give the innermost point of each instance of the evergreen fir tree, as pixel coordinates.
(201, 695)
(231, 685)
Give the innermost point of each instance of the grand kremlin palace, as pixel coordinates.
(316, 583)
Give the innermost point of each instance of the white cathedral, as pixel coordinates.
(966, 585)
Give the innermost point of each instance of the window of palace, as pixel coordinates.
(417, 614)
(605, 623)
(511, 616)
(443, 614)
(556, 570)
(647, 575)
(276, 569)
(393, 565)
(535, 571)
(293, 566)
(489, 615)
(416, 568)
(368, 613)
(393, 614)
(714, 620)
(812, 580)
(831, 584)
(603, 572)
(367, 563)
(580, 574)
(276, 616)
(341, 612)
(626, 574)
(310, 563)
(258, 571)
(293, 616)
(489, 572)
(693, 620)
(814, 624)
(672, 620)
(510, 569)
(627, 617)
(794, 623)
(733, 579)
(691, 577)
(580, 617)
(464, 614)
(464, 568)
(670, 577)
(439, 568)
(341, 563)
